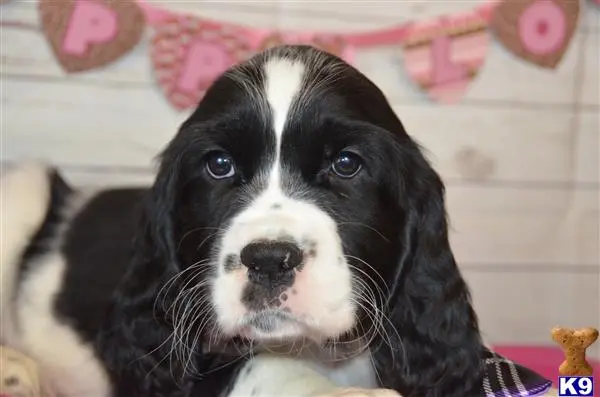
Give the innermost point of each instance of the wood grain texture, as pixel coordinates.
(26, 53)
(591, 69)
(526, 238)
(523, 204)
(587, 149)
(532, 303)
(524, 144)
(591, 20)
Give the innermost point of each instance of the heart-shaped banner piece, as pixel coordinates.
(538, 31)
(188, 54)
(444, 56)
(88, 34)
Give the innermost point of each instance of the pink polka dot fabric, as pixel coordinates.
(188, 54)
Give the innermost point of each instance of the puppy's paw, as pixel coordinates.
(357, 392)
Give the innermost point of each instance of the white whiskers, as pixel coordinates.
(371, 297)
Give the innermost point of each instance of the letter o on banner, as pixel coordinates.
(537, 31)
(543, 27)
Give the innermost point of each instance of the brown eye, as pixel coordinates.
(220, 165)
(346, 165)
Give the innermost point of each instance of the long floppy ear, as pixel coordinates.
(159, 211)
(437, 346)
(135, 341)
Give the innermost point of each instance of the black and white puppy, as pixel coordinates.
(294, 242)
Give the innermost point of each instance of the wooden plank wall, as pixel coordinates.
(526, 232)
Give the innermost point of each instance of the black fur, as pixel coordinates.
(106, 227)
(392, 215)
(60, 192)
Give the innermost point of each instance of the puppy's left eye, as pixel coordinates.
(346, 164)
(220, 165)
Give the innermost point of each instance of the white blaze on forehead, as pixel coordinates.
(283, 81)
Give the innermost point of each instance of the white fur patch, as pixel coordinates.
(283, 82)
(268, 375)
(321, 297)
(25, 198)
(271, 375)
(29, 324)
(354, 372)
(323, 289)
(67, 364)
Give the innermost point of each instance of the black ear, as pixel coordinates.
(436, 349)
(158, 218)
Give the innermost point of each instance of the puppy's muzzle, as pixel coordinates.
(271, 263)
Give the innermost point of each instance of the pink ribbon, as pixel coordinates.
(387, 36)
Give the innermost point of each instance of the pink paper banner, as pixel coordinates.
(444, 55)
(188, 53)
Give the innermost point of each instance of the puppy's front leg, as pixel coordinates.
(356, 392)
(269, 375)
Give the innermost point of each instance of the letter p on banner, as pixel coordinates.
(569, 386)
(90, 23)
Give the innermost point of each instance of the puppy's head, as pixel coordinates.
(294, 205)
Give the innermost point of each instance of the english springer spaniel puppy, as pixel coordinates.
(294, 243)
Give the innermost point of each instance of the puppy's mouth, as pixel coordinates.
(279, 331)
(272, 325)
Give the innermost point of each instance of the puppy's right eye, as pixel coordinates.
(219, 165)
(346, 165)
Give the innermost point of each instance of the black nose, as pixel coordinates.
(271, 258)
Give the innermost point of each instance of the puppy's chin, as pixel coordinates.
(276, 326)
(278, 332)
(272, 326)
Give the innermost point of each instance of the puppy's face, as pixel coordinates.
(288, 188)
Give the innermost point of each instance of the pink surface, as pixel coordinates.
(444, 69)
(542, 359)
(543, 27)
(444, 65)
(205, 62)
(188, 53)
(90, 23)
(254, 37)
(391, 35)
